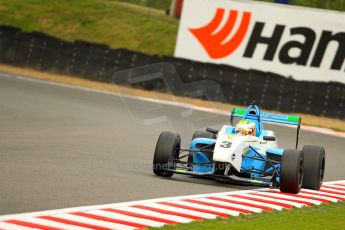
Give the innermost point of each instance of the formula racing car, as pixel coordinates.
(244, 153)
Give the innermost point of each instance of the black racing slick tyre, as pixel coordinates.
(200, 133)
(166, 152)
(291, 171)
(314, 166)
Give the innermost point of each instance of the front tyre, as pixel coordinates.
(166, 152)
(291, 171)
(314, 166)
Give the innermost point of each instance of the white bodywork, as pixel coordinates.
(230, 147)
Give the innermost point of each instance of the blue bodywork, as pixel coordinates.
(254, 164)
(201, 163)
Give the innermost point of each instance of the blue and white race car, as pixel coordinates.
(244, 153)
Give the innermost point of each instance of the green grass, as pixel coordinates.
(117, 23)
(120, 25)
(157, 4)
(323, 4)
(326, 216)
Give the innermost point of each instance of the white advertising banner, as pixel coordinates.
(304, 43)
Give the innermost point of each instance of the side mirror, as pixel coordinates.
(269, 138)
(210, 130)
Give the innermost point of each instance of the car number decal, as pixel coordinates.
(225, 144)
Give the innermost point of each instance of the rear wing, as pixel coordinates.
(268, 117)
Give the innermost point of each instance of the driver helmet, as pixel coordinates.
(246, 127)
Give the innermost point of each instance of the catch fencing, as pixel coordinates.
(99, 63)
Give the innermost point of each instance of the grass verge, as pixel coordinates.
(309, 120)
(157, 4)
(325, 216)
(139, 25)
(115, 23)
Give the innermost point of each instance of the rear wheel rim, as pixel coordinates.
(322, 171)
(300, 174)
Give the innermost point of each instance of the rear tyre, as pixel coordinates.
(200, 133)
(166, 152)
(291, 171)
(314, 166)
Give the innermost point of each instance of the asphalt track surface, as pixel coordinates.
(64, 147)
